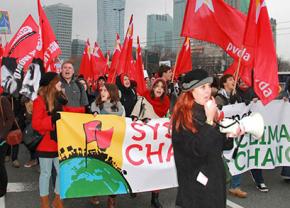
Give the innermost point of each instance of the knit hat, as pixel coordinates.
(47, 78)
(194, 79)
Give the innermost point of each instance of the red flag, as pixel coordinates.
(259, 35)
(50, 48)
(85, 66)
(98, 62)
(245, 72)
(217, 22)
(126, 53)
(108, 63)
(115, 59)
(184, 62)
(1, 51)
(23, 45)
(139, 69)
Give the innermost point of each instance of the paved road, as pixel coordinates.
(27, 178)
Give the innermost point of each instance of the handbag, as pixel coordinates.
(15, 136)
(31, 138)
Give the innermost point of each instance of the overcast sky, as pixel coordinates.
(85, 16)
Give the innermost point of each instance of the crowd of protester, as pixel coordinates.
(71, 93)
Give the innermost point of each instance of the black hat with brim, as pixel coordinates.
(194, 79)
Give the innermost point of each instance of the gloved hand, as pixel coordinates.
(54, 117)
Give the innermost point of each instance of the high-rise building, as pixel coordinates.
(110, 21)
(159, 31)
(60, 18)
(178, 14)
(77, 47)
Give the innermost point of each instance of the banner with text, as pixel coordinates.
(273, 149)
(108, 154)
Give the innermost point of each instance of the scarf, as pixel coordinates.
(160, 106)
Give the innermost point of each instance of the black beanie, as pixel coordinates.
(194, 79)
(47, 78)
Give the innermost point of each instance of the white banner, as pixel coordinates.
(273, 149)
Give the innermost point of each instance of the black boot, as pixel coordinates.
(155, 201)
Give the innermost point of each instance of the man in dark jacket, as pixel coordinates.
(74, 91)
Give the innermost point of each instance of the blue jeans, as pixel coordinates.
(236, 181)
(45, 173)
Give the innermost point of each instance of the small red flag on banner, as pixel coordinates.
(217, 22)
(184, 62)
(50, 47)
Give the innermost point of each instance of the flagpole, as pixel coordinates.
(237, 73)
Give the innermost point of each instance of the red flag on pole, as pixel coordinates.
(85, 66)
(217, 22)
(184, 62)
(50, 48)
(23, 45)
(116, 55)
(245, 72)
(259, 35)
(126, 53)
(1, 50)
(98, 62)
(139, 69)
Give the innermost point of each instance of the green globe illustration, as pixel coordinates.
(97, 178)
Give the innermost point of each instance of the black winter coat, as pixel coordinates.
(200, 152)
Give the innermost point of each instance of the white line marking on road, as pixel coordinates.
(233, 205)
(22, 187)
(2, 202)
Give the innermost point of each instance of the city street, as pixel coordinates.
(23, 192)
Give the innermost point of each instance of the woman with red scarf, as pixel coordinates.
(154, 104)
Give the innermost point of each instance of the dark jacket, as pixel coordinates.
(75, 93)
(128, 96)
(200, 152)
(42, 122)
(6, 118)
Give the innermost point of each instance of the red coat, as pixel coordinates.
(42, 123)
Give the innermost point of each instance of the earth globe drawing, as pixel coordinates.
(90, 177)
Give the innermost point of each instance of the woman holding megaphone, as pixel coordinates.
(198, 145)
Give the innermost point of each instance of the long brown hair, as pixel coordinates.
(164, 86)
(49, 93)
(182, 115)
(114, 96)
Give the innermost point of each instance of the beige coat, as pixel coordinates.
(144, 112)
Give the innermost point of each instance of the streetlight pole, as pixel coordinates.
(119, 11)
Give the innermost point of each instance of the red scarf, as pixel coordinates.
(160, 106)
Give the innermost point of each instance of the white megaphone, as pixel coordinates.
(252, 124)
